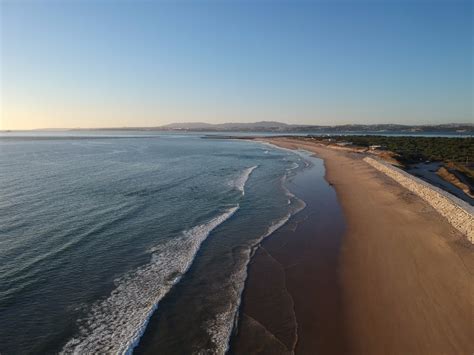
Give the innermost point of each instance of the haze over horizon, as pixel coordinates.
(137, 64)
(228, 126)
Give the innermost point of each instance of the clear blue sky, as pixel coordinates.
(96, 63)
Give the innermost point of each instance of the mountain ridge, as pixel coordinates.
(274, 126)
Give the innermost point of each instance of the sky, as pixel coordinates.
(104, 63)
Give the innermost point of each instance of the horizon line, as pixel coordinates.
(242, 123)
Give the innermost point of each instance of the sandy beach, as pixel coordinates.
(403, 276)
(292, 299)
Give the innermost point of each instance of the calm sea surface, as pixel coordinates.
(96, 231)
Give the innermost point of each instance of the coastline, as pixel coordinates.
(191, 297)
(292, 290)
(404, 271)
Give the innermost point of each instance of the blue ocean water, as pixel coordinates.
(95, 231)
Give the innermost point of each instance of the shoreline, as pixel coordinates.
(158, 336)
(292, 278)
(404, 271)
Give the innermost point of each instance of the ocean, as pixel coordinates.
(99, 232)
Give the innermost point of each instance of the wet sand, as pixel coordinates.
(400, 282)
(292, 296)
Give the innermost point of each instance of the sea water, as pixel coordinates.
(98, 232)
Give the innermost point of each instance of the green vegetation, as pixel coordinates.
(457, 153)
(415, 149)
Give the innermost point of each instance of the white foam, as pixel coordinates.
(277, 225)
(221, 327)
(288, 193)
(239, 183)
(116, 324)
(299, 204)
(293, 166)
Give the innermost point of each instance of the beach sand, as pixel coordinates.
(283, 306)
(400, 281)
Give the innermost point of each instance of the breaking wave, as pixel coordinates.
(220, 328)
(116, 324)
(239, 183)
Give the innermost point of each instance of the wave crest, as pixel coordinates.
(116, 324)
(240, 182)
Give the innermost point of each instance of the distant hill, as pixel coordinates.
(257, 126)
(279, 127)
(271, 126)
